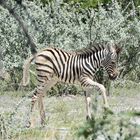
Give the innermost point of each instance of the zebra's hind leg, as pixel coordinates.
(38, 95)
(41, 109)
(31, 119)
(50, 82)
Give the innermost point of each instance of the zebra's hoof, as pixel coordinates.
(106, 106)
(28, 125)
(88, 118)
(108, 110)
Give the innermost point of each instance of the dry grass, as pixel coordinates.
(64, 115)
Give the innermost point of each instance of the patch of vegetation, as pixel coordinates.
(110, 126)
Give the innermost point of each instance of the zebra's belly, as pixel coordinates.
(68, 79)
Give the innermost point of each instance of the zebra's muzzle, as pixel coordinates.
(113, 76)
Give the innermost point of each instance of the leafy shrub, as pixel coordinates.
(71, 27)
(110, 126)
(62, 90)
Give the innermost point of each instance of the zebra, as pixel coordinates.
(56, 65)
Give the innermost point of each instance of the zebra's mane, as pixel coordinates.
(90, 49)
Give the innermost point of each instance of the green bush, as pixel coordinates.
(62, 25)
(62, 90)
(110, 126)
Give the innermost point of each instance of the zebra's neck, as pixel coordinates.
(93, 61)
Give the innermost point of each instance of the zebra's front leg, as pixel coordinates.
(87, 82)
(88, 105)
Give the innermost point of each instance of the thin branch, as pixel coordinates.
(22, 25)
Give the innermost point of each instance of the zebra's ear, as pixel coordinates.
(118, 49)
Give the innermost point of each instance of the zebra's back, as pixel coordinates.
(56, 62)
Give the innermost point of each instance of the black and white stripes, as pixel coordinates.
(54, 65)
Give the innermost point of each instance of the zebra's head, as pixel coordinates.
(110, 61)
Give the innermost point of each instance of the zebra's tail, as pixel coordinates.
(26, 74)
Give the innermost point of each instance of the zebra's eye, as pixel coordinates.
(113, 63)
